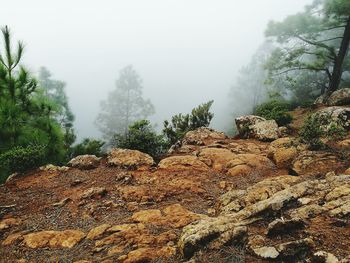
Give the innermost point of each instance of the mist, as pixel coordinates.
(187, 52)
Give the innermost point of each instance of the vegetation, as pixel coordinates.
(275, 110)
(312, 131)
(141, 136)
(336, 132)
(21, 159)
(181, 124)
(124, 105)
(312, 46)
(88, 146)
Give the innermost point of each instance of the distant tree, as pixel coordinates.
(88, 146)
(316, 41)
(124, 105)
(141, 136)
(181, 124)
(55, 91)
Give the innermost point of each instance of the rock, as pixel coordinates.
(217, 158)
(266, 252)
(200, 135)
(53, 239)
(308, 211)
(85, 162)
(251, 126)
(244, 122)
(14, 238)
(209, 232)
(9, 222)
(246, 164)
(97, 231)
(324, 257)
(280, 226)
(295, 248)
(339, 115)
(54, 168)
(309, 162)
(284, 150)
(149, 254)
(174, 216)
(93, 192)
(130, 159)
(265, 130)
(339, 97)
(183, 162)
(62, 202)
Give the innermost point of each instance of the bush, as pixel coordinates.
(311, 132)
(336, 132)
(88, 146)
(275, 110)
(22, 159)
(142, 137)
(181, 124)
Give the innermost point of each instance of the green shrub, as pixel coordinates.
(336, 132)
(22, 159)
(275, 110)
(181, 124)
(88, 146)
(142, 137)
(311, 132)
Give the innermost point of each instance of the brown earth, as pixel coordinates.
(111, 214)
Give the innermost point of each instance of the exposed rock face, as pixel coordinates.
(339, 97)
(240, 210)
(54, 168)
(182, 163)
(53, 239)
(131, 159)
(339, 115)
(311, 162)
(200, 135)
(251, 126)
(85, 162)
(284, 150)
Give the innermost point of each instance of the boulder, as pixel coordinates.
(280, 226)
(149, 254)
(54, 168)
(324, 257)
(98, 231)
(53, 239)
(251, 126)
(85, 162)
(266, 252)
(130, 159)
(312, 162)
(246, 164)
(338, 115)
(295, 248)
(200, 135)
(183, 162)
(339, 97)
(217, 158)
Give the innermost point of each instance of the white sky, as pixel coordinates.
(186, 51)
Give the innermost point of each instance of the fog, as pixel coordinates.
(186, 51)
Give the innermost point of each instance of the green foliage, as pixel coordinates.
(88, 146)
(124, 105)
(311, 132)
(275, 110)
(310, 53)
(22, 159)
(142, 137)
(336, 132)
(181, 124)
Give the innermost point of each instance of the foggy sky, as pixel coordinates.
(186, 51)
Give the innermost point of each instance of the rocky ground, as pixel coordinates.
(213, 199)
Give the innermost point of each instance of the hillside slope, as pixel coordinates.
(213, 199)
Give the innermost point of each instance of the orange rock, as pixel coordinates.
(53, 239)
(149, 254)
(128, 158)
(97, 231)
(147, 216)
(182, 162)
(9, 222)
(219, 157)
(14, 238)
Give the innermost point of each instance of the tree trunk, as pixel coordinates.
(338, 65)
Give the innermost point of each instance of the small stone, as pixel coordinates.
(266, 252)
